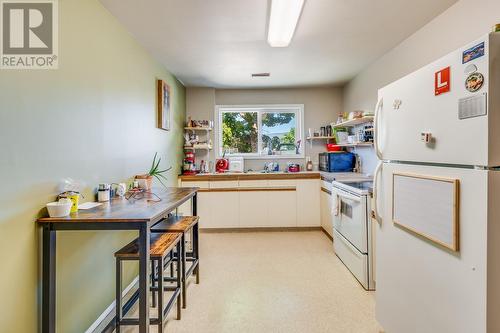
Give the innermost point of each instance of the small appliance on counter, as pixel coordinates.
(337, 162)
(188, 166)
(236, 164)
(222, 165)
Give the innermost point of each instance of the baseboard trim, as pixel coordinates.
(259, 229)
(103, 321)
(327, 234)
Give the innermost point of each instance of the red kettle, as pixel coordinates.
(222, 165)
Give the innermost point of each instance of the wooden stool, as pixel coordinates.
(161, 246)
(182, 225)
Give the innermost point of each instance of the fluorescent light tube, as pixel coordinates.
(283, 21)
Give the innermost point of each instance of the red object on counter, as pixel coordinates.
(293, 168)
(222, 165)
(333, 147)
(188, 165)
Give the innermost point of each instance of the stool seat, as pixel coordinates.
(175, 224)
(185, 226)
(161, 252)
(160, 245)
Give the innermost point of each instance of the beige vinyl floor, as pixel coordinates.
(272, 282)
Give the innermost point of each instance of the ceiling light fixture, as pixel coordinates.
(283, 21)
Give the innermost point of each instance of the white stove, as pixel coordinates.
(351, 202)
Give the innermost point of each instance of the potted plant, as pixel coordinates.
(146, 180)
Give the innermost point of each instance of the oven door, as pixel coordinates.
(350, 220)
(323, 162)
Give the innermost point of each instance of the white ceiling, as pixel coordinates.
(219, 43)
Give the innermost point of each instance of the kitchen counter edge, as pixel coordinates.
(251, 176)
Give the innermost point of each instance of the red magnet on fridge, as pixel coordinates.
(442, 81)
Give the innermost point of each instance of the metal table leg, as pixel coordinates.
(183, 269)
(49, 280)
(196, 250)
(144, 237)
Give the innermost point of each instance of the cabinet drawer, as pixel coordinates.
(282, 183)
(200, 184)
(354, 260)
(253, 183)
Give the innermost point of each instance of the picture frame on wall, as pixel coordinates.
(164, 105)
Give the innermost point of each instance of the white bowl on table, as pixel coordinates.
(59, 209)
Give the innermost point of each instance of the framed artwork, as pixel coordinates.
(164, 105)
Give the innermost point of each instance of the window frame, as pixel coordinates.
(298, 109)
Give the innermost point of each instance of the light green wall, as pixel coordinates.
(93, 119)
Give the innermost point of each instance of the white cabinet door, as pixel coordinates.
(204, 211)
(185, 208)
(326, 212)
(308, 203)
(282, 208)
(224, 209)
(253, 210)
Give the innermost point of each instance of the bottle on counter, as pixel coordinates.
(309, 164)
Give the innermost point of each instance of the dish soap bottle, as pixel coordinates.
(309, 164)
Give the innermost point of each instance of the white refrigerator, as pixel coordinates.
(437, 195)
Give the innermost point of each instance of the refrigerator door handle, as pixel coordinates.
(375, 192)
(378, 109)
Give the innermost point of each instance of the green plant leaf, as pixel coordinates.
(156, 176)
(153, 164)
(155, 169)
(162, 176)
(162, 171)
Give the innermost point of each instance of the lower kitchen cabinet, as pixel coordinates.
(224, 210)
(308, 205)
(251, 204)
(204, 207)
(268, 209)
(282, 212)
(253, 210)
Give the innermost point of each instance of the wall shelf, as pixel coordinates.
(198, 147)
(360, 144)
(198, 128)
(320, 138)
(354, 122)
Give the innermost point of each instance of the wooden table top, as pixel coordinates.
(132, 210)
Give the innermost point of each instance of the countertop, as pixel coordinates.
(251, 176)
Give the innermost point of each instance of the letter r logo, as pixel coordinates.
(27, 28)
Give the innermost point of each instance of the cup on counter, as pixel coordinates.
(74, 197)
(121, 189)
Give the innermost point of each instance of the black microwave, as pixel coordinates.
(337, 162)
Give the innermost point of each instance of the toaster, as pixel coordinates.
(236, 164)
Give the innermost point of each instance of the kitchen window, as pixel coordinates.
(269, 131)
